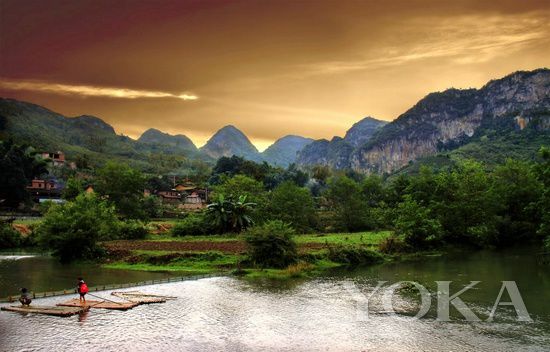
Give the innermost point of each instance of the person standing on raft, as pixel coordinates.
(25, 298)
(82, 289)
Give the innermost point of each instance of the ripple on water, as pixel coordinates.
(228, 314)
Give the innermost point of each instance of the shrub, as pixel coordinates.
(133, 230)
(392, 244)
(195, 224)
(73, 229)
(272, 245)
(354, 255)
(298, 269)
(417, 226)
(9, 238)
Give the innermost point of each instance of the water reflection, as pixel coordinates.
(228, 314)
(44, 274)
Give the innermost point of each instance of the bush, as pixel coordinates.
(73, 229)
(9, 238)
(272, 245)
(133, 230)
(354, 255)
(417, 226)
(392, 244)
(195, 224)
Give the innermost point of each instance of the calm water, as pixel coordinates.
(44, 274)
(305, 315)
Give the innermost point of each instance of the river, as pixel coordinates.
(321, 314)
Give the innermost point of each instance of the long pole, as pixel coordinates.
(106, 299)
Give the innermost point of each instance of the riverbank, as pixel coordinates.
(224, 254)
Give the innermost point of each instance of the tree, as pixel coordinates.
(293, 205)
(240, 185)
(344, 195)
(123, 186)
(72, 230)
(461, 200)
(517, 192)
(9, 237)
(73, 188)
(231, 215)
(18, 167)
(542, 171)
(416, 224)
(272, 245)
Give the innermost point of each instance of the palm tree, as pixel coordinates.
(220, 210)
(229, 215)
(240, 218)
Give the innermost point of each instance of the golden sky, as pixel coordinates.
(271, 68)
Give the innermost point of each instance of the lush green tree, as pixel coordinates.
(416, 224)
(461, 200)
(123, 186)
(18, 166)
(72, 230)
(241, 218)
(194, 224)
(293, 205)
(219, 211)
(9, 237)
(396, 189)
(152, 205)
(517, 191)
(73, 187)
(240, 185)
(542, 171)
(372, 188)
(348, 203)
(231, 215)
(272, 245)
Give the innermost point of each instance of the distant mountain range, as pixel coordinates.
(90, 136)
(508, 117)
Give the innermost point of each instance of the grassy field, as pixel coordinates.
(228, 253)
(196, 255)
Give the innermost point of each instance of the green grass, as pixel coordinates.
(370, 238)
(200, 263)
(209, 262)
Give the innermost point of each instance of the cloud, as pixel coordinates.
(461, 40)
(89, 91)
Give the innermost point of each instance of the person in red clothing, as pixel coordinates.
(82, 289)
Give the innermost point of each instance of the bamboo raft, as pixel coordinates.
(47, 310)
(141, 298)
(99, 304)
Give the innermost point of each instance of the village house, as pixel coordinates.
(57, 158)
(44, 190)
(193, 197)
(169, 196)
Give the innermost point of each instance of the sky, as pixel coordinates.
(270, 68)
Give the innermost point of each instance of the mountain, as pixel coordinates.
(283, 152)
(363, 130)
(516, 106)
(178, 142)
(87, 137)
(336, 153)
(230, 141)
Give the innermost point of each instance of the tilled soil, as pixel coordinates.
(226, 247)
